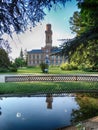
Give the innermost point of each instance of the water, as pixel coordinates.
(36, 113)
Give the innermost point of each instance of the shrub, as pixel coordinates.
(44, 67)
(13, 68)
(85, 67)
(69, 66)
(3, 69)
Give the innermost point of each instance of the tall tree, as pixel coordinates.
(5, 45)
(21, 54)
(76, 23)
(84, 24)
(4, 59)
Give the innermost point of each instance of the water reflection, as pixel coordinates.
(18, 114)
(46, 113)
(36, 113)
(0, 111)
(49, 100)
(0, 108)
(88, 107)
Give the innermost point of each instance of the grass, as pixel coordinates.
(52, 70)
(47, 87)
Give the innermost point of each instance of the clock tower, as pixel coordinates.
(48, 33)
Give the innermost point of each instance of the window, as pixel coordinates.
(33, 56)
(52, 57)
(37, 56)
(56, 61)
(56, 57)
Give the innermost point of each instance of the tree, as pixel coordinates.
(4, 59)
(21, 54)
(83, 48)
(85, 21)
(20, 62)
(76, 23)
(5, 45)
(18, 15)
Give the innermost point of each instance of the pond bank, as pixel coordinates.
(91, 123)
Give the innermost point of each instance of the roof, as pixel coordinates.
(56, 51)
(35, 51)
(53, 51)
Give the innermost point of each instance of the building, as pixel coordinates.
(46, 53)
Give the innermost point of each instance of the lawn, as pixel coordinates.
(47, 87)
(52, 70)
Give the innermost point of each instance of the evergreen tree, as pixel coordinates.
(21, 54)
(21, 61)
(4, 59)
(83, 48)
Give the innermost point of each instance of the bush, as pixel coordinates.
(85, 67)
(69, 66)
(3, 69)
(44, 67)
(13, 68)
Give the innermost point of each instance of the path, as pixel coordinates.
(2, 76)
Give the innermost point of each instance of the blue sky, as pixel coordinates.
(59, 19)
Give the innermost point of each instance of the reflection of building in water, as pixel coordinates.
(49, 100)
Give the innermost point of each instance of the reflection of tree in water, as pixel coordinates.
(88, 107)
(0, 107)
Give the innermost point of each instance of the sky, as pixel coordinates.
(35, 39)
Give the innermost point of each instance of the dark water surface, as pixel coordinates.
(37, 113)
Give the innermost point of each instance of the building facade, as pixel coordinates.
(46, 53)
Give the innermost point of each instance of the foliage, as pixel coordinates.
(69, 66)
(5, 45)
(4, 59)
(88, 108)
(87, 55)
(76, 23)
(44, 67)
(18, 15)
(20, 62)
(21, 54)
(13, 67)
(83, 49)
(3, 70)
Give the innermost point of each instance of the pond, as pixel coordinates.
(47, 112)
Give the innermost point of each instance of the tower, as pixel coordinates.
(48, 33)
